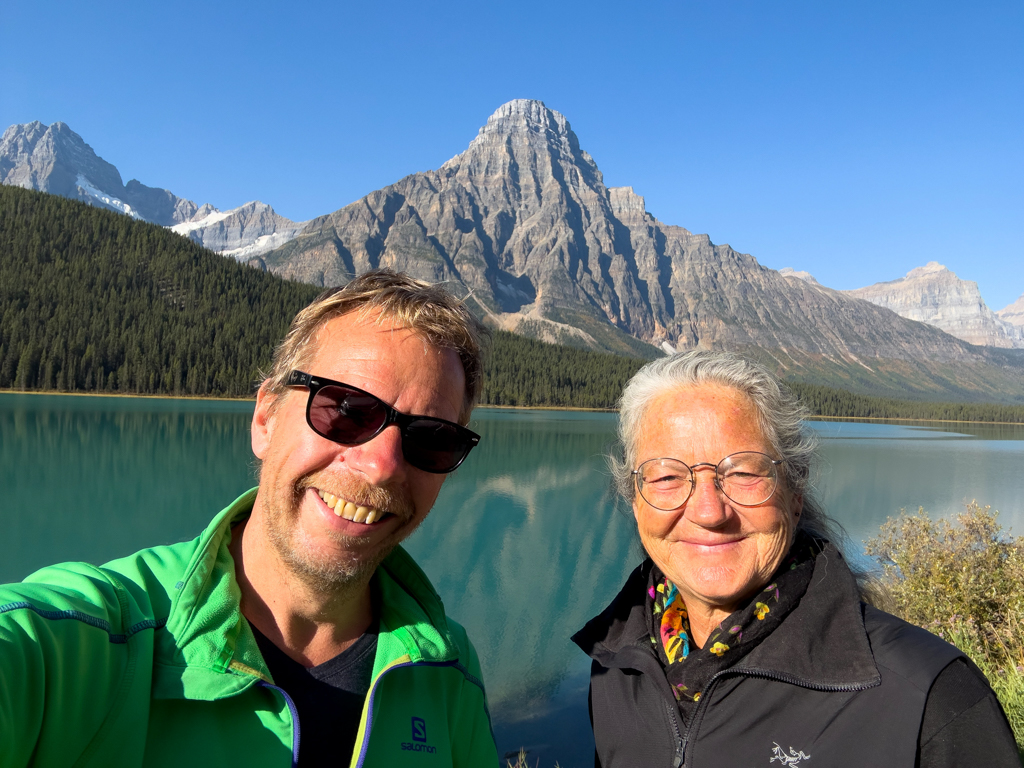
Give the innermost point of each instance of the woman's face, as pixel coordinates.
(716, 552)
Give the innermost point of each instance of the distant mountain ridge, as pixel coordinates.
(933, 294)
(523, 224)
(57, 160)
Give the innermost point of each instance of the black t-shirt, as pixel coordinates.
(329, 697)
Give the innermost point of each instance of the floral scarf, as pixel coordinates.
(689, 668)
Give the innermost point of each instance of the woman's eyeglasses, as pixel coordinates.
(747, 478)
(348, 415)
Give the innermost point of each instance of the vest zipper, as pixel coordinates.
(673, 713)
(698, 714)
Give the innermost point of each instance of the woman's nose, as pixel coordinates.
(706, 506)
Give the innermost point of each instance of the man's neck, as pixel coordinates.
(309, 625)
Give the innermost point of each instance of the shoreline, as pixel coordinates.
(133, 396)
(813, 417)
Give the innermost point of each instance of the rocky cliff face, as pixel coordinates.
(522, 221)
(932, 294)
(1014, 313)
(55, 159)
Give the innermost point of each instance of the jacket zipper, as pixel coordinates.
(373, 692)
(295, 719)
(698, 714)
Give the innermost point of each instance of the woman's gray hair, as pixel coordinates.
(780, 416)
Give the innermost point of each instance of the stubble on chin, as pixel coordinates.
(351, 565)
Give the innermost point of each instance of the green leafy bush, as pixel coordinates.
(964, 581)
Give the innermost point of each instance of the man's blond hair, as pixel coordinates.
(430, 311)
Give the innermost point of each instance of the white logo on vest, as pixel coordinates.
(792, 759)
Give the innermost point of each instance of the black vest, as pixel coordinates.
(836, 684)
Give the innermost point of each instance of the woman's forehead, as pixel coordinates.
(704, 417)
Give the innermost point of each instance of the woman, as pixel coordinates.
(742, 639)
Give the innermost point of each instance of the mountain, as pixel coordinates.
(523, 223)
(1014, 313)
(95, 301)
(242, 233)
(933, 294)
(57, 160)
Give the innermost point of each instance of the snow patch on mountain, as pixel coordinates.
(199, 222)
(88, 189)
(262, 244)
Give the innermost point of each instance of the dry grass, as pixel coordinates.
(521, 762)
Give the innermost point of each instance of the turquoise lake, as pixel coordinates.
(525, 544)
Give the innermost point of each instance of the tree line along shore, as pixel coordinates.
(92, 301)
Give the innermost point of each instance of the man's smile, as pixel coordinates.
(351, 511)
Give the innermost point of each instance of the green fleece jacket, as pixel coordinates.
(148, 661)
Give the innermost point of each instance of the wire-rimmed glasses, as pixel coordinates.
(747, 478)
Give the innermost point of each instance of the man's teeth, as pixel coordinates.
(350, 511)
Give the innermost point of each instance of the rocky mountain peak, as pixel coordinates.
(935, 295)
(52, 159)
(929, 269)
(525, 138)
(1014, 313)
(526, 115)
(57, 160)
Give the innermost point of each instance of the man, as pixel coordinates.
(294, 630)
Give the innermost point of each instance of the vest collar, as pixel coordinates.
(821, 644)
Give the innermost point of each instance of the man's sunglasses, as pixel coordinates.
(350, 416)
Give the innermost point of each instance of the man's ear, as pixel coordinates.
(263, 421)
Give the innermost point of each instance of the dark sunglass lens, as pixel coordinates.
(345, 415)
(434, 446)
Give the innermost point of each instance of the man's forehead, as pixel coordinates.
(357, 332)
(356, 345)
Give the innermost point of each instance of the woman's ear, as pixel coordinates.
(797, 505)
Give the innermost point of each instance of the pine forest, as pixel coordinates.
(94, 301)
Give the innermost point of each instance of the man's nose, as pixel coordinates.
(380, 459)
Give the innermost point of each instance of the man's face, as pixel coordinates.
(300, 468)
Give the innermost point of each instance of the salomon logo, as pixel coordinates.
(419, 738)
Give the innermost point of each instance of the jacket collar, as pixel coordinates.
(821, 643)
(208, 651)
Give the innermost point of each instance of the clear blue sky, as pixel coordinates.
(852, 140)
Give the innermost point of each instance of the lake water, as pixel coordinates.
(525, 544)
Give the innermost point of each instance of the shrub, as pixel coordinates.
(964, 581)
